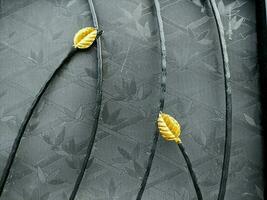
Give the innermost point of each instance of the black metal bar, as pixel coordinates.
(26, 120)
(162, 98)
(228, 100)
(98, 106)
(261, 23)
(192, 173)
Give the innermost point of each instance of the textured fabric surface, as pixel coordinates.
(36, 35)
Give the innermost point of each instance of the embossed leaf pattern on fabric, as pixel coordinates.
(84, 38)
(169, 128)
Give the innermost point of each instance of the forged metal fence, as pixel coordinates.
(93, 134)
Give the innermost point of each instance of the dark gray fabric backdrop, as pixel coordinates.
(36, 35)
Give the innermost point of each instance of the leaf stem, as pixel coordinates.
(98, 106)
(26, 120)
(192, 173)
(162, 99)
(228, 100)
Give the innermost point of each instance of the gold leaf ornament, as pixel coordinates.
(169, 128)
(85, 37)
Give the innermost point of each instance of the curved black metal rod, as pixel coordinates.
(162, 99)
(98, 106)
(191, 171)
(26, 120)
(261, 29)
(228, 100)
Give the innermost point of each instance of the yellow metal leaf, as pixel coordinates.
(169, 128)
(84, 38)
